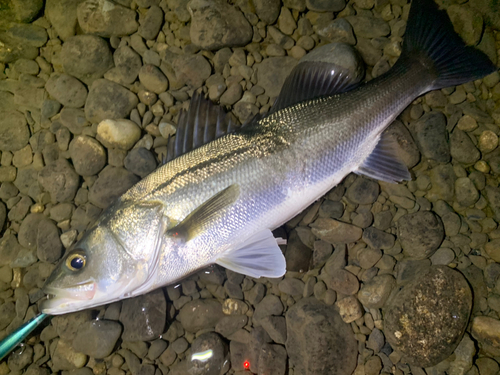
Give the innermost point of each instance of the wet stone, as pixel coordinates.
(428, 330)
(325, 5)
(192, 70)
(432, 137)
(267, 10)
(363, 191)
(272, 72)
(64, 357)
(291, 286)
(140, 161)
(153, 79)
(14, 132)
(67, 90)
(275, 327)
(270, 305)
(337, 31)
(333, 231)
(151, 24)
(486, 330)
(369, 257)
(349, 309)
(442, 180)
(110, 184)
(465, 192)
(374, 293)
(143, 317)
(74, 119)
(228, 325)
(127, 66)
(376, 340)
(462, 149)
(48, 245)
(97, 338)
(18, 362)
(121, 134)
(420, 234)
(60, 180)
(106, 20)
(199, 365)
(377, 239)
(86, 57)
(87, 154)
(200, 314)
(108, 100)
(318, 341)
(341, 281)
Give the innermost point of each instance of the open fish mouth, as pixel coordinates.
(82, 292)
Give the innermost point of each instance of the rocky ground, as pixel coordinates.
(383, 278)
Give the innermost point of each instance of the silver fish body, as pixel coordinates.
(266, 173)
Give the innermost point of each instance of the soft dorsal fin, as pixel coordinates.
(384, 162)
(201, 123)
(313, 79)
(258, 257)
(198, 220)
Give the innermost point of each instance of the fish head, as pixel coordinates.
(95, 271)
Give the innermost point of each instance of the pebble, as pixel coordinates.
(153, 79)
(270, 305)
(105, 19)
(420, 234)
(267, 10)
(127, 66)
(213, 365)
(60, 180)
(486, 330)
(48, 245)
(14, 132)
(325, 5)
(438, 320)
(151, 23)
(67, 90)
(140, 161)
(143, 317)
(378, 239)
(467, 123)
(374, 293)
(318, 340)
(342, 281)
(432, 137)
(272, 360)
(220, 25)
(334, 232)
(87, 155)
(442, 256)
(465, 192)
(488, 141)
(369, 27)
(462, 149)
(108, 100)
(228, 325)
(97, 338)
(363, 191)
(86, 57)
(121, 134)
(191, 70)
(272, 72)
(467, 22)
(349, 309)
(110, 184)
(64, 357)
(200, 314)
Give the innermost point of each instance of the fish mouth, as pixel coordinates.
(82, 292)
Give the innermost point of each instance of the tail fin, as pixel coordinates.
(430, 37)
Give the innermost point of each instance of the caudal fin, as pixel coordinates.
(431, 39)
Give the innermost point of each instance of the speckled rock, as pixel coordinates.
(14, 132)
(67, 90)
(420, 234)
(110, 184)
(374, 293)
(486, 330)
(318, 341)
(97, 338)
(140, 161)
(334, 232)
(86, 57)
(106, 19)
(60, 180)
(467, 22)
(144, 317)
(217, 24)
(121, 134)
(200, 314)
(431, 136)
(87, 154)
(427, 318)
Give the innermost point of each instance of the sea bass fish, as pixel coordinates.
(219, 202)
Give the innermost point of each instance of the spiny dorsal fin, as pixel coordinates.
(384, 163)
(201, 123)
(313, 79)
(198, 220)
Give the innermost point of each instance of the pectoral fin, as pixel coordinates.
(198, 220)
(259, 257)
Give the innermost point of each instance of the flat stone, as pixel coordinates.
(153, 79)
(420, 234)
(87, 154)
(374, 293)
(151, 24)
(334, 232)
(378, 239)
(86, 57)
(363, 191)
(144, 317)
(318, 340)
(272, 72)
(110, 184)
(14, 132)
(67, 90)
(97, 338)
(140, 161)
(217, 24)
(432, 137)
(462, 148)
(62, 16)
(200, 314)
(60, 180)
(106, 18)
(109, 100)
(427, 330)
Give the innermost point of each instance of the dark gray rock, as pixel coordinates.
(127, 66)
(443, 183)
(377, 239)
(7, 314)
(87, 154)
(27, 235)
(200, 314)
(297, 255)
(21, 360)
(275, 327)
(408, 150)
(270, 305)
(376, 340)
(374, 293)
(363, 191)
(48, 244)
(108, 100)
(151, 24)
(465, 192)
(86, 57)
(104, 20)
(228, 325)
(432, 137)
(462, 148)
(140, 161)
(144, 317)
(272, 360)
(420, 234)
(318, 341)
(272, 72)
(97, 338)
(67, 90)
(334, 232)
(60, 180)
(267, 10)
(325, 5)
(341, 281)
(14, 132)
(212, 366)
(217, 24)
(427, 330)
(111, 183)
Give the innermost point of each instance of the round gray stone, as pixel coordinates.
(67, 90)
(14, 132)
(97, 338)
(420, 234)
(111, 183)
(87, 154)
(140, 161)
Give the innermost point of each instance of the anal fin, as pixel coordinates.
(384, 162)
(260, 257)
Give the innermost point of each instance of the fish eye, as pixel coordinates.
(76, 260)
